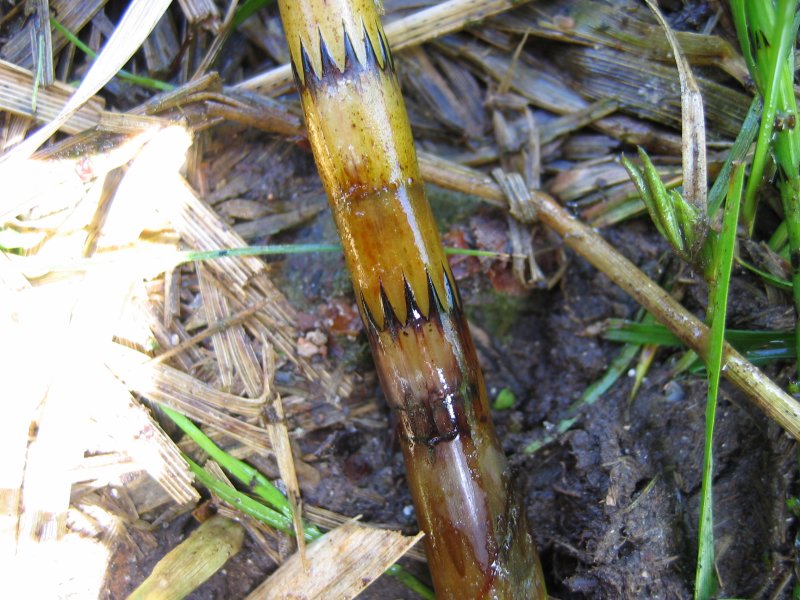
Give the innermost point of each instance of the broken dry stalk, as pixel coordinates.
(476, 535)
(762, 390)
(193, 561)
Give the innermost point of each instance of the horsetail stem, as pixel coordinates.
(476, 538)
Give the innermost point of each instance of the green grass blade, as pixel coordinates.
(775, 52)
(738, 152)
(705, 578)
(247, 475)
(617, 368)
(269, 250)
(154, 84)
(474, 252)
(769, 278)
(411, 582)
(247, 9)
(281, 518)
(640, 333)
(243, 502)
(758, 347)
(740, 21)
(775, 60)
(277, 249)
(12, 241)
(779, 238)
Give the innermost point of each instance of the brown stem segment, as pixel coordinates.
(477, 540)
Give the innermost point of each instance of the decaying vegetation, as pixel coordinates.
(160, 375)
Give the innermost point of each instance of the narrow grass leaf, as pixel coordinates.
(771, 28)
(240, 470)
(242, 501)
(134, 27)
(738, 151)
(155, 84)
(774, 52)
(617, 368)
(640, 333)
(769, 278)
(279, 514)
(758, 347)
(779, 237)
(278, 249)
(705, 579)
(739, 15)
(247, 9)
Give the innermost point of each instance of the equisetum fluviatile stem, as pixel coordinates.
(477, 540)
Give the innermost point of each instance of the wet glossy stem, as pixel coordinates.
(476, 539)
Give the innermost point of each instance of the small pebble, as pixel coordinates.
(673, 392)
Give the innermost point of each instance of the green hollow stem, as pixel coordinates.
(247, 475)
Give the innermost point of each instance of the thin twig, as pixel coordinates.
(216, 327)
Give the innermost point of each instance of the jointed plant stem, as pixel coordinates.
(359, 132)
